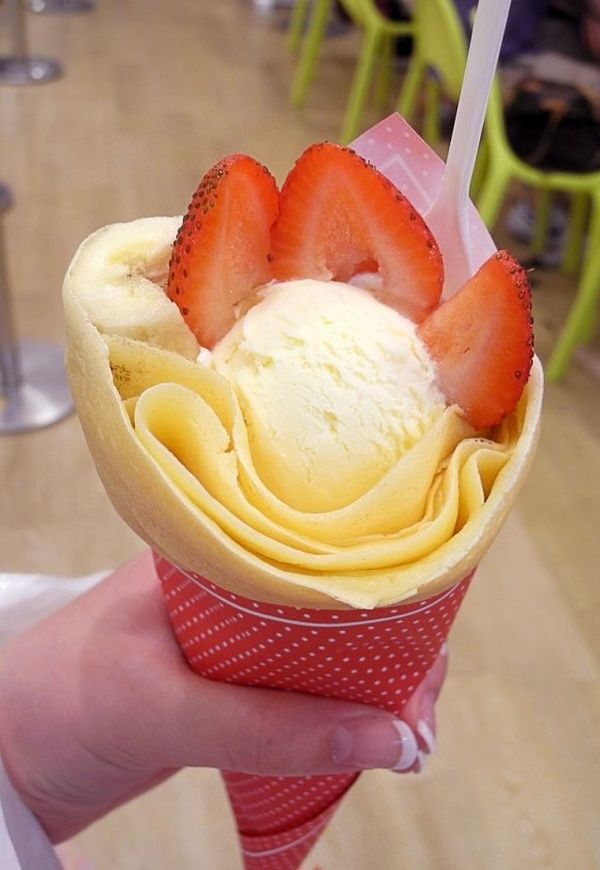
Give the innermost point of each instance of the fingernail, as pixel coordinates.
(367, 742)
(420, 762)
(408, 745)
(444, 649)
(427, 736)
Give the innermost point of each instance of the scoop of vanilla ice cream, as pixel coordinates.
(334, 387)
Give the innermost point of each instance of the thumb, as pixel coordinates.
(275, 732)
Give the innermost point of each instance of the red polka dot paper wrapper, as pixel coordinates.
(375, 657)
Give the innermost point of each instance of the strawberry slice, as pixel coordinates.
(481, 340)
(338, 213)
(221, 253)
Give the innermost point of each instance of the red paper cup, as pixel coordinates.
(376, 657)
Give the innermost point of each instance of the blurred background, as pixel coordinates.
(147, 97)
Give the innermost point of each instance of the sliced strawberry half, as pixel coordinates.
(338, 213)
(481, 341)
(221, 253)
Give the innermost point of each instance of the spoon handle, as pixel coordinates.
(484, 49)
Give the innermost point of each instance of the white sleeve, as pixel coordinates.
(27, 598)
(23, 843)
(24, 599)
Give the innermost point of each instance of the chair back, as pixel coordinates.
(362, 11)
(441, 42)
(442, 45)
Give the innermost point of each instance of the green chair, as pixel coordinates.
(379, 35)
(584, 190)
(437, 63)
(297, 23)
(440, 45)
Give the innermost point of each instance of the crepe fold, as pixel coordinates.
(171, 446)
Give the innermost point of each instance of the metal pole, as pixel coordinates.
(10, 369)
(18, 67)
(16, 28)
(60, 6)
(33, 386)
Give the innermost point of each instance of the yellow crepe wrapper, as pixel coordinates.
(171, 447)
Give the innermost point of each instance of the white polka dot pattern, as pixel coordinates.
(376, 657)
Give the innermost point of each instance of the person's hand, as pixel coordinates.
(99, 705)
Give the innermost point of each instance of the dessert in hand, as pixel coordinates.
(294, 412)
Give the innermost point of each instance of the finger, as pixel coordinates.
(273, 732)
(419, 712)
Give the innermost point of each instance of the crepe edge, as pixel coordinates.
(140, 492)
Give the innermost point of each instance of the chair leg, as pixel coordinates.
(492, 193)
(360, 83)
(583, 311)
(296, 25)
(575, 229)
(542, 220)
(383, 83)
(410, 87)
(311, 44)
(431, 120)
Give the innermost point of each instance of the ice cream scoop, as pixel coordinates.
(334, 387)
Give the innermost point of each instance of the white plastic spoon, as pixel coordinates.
(448, 217)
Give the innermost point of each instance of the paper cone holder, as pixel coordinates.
(376, 657)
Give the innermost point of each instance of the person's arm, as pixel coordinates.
(99, 705)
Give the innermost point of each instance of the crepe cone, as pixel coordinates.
(372, 656)
(315, 604)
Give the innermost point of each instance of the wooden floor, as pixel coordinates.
(153, 93)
